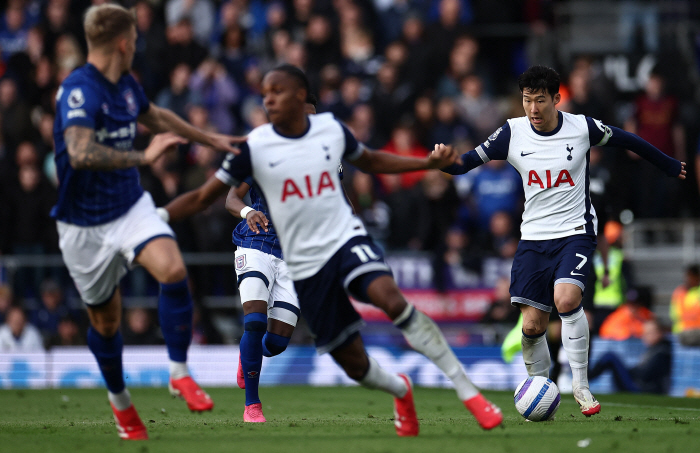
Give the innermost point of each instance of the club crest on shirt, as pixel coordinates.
(240, 262)
(494, 136)
(130, 99)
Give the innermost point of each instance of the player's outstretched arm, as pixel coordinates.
(86, 154)
(237, 208)
(371, 161)
(623, 139)
(158, 119)
(194, 201)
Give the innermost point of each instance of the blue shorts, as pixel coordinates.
(323, 298)
(540, 265)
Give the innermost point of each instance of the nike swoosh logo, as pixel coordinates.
(576, 273)
(523, 154)
(532, 363)
(577, 338)
(274, 164)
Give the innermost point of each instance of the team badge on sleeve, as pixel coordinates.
(240, 262)
(494, 136)
(76, 98)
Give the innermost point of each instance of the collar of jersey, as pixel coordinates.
(308, 126)
(101, 76)
(553, 131)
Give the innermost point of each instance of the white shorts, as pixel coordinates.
(262, 276)
(97, 257)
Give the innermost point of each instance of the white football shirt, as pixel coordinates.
(299, 180)
(554, 169)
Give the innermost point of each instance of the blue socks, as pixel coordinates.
(274, 344)
(255, 325)
(175, 315)
(108, 352)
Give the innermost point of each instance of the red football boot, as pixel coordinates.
(405, 418)
(129, 424)
(196, 398)
(486, 413)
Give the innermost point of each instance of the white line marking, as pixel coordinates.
(657, 407)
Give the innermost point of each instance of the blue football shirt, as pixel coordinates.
(86, 98)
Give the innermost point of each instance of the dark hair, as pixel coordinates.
(311, 99)
(693, 269)
(539, 78)
(295, 72)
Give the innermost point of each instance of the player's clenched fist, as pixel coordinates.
(255, 218)
(161, 143)
(443, 156)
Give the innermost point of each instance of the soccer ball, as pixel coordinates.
(537, 398)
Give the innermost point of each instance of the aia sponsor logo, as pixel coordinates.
(308, 187)
(545, 180)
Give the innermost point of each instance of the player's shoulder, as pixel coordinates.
(574, 117)
(80, 85)
(261, 134)
(518, 122)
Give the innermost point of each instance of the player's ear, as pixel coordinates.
(557, 98)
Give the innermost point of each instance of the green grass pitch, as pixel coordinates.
(344, 420)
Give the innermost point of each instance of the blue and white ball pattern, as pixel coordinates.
(537, 398)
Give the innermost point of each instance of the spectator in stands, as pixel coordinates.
(322, 44)
(350, 95)
(181, 47)
(462, 63)
(494, 187)
(503, 239)
(17, 335)
(233, 54)
(685, 304)
(30, 197)
(404, 143)
(461, 260)
(218, 94)
(652, 374)
(656, 120)
(613, 275)
(53, 308)
(628, 320)
(199, 12)
(444, 33)
(412, 34)
(477, 108)
(448, 127)
(178, 96)
(150, 46)
(16, 125)
(139, 328)
(13, 32)
(67, 334)
(685, 312)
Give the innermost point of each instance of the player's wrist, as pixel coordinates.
(245, 211)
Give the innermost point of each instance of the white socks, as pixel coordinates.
(536, 355)
(378, 378)
(425, 337)
(178, 370)
(121, 401)
(575, 337)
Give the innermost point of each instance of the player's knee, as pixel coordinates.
(174, 273)
(566, 304)
(255, 322)
(390, 300)
(274, 344)
(533, 328)
(106, 327)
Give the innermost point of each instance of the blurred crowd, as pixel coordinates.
(402, 74)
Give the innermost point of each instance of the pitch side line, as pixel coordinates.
(658, 407)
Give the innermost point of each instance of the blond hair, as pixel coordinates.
(105, 22)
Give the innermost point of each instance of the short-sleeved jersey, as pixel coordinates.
(300, 181)
(86, 98)
(554, 169)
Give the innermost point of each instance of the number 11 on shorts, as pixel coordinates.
(364, 253)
